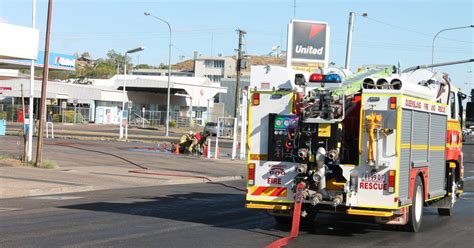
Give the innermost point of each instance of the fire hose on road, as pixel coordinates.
(145, 170)
(295, 225)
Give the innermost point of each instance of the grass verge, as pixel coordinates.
(12, 161)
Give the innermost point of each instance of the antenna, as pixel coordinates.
(294, 9)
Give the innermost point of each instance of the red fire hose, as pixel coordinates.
(295, 226)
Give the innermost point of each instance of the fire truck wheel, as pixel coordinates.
(283, 220)
(286, 221)
(416, 209)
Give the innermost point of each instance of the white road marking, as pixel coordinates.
(56, 197)
(8, 209)
(469, 178)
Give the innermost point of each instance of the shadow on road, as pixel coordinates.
(227, 211)
(221, 210)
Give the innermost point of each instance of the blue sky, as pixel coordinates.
(395, 31)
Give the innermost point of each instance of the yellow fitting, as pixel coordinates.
(373, 122)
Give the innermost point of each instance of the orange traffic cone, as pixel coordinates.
(177, 149)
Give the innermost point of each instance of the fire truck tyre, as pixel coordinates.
(416, 209)
(286, 221)
(283, 220)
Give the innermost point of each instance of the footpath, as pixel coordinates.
(101, 165)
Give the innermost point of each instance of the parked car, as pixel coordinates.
(211, 127)
(226, 129)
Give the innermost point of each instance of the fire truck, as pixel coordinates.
(380, 142)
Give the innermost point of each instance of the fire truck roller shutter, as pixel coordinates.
(437, 167)
(404, 162)
(419, 145)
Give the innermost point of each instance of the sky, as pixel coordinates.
(395, 31)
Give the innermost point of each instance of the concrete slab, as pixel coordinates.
(99, 165)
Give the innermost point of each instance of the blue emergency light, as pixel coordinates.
(329, 78)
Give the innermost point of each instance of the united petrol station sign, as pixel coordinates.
(308, 45)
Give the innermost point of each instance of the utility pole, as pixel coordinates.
(42, 107)
(238, 68)
(349, 40)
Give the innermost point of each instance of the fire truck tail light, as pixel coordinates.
(315, 77)
(255, 99)
(391, 181)
(393, 102)
(251, 176)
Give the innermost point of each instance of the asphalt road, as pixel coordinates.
(206, 215)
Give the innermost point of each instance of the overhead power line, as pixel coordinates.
(414, 31)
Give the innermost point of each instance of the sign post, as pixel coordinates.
(63, 108)
(75, 109)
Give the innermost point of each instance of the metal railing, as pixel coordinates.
(151, 118)
(68, 114)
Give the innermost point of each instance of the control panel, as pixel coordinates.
(281, 138)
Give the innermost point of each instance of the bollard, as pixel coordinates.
(209, 142)
(47, 130)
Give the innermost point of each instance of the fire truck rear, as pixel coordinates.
(379, 142)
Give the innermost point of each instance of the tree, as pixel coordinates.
(115, 59)
(85, 55)
(162, 66)
(101, 68)
(144, 66)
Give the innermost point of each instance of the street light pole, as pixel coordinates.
(439, 32)
(32, 92)
(349, 38)
(138, 49)
(169, 74)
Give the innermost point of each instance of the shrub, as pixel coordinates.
(172, 123)
(68, 117)
(57, 118)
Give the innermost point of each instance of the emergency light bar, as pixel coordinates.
(320, 78)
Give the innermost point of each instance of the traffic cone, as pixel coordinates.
(177, 149)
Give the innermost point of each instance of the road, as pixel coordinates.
(207, 215)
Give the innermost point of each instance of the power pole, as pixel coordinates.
(42, 107)
(349, 40)
(238, 68)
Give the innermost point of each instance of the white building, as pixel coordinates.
(103, 99)
(150, 93)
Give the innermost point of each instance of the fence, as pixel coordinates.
(68, 114)
(151, 118)
(12, 112)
